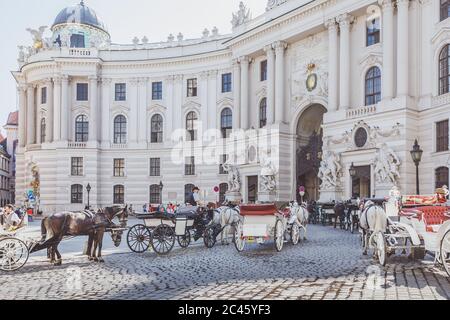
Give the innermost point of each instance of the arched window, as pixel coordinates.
(120, 130)
(157, 129)
(76, 194)
(442, 177)
(43, 130)
(226, 122)
(223, 188)
(187, 191)
(155, 194)
(81, 129)
(373, 86)
(445, 9)
(119, 194)
(191, 118)
(444, 70)
(263, 113)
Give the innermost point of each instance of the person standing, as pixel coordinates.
(11, 219)
(194, 197)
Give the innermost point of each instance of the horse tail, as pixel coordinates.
(48, 236)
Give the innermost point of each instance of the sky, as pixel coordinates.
(155, 19)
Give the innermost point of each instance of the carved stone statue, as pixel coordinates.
(268, 174)
(234, 180)
(242, 16)
(330, 170)
(387, 166)
(38, 42)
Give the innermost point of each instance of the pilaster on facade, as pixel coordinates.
(333, 56)
(403, 48)
(270, 54)
(236, 94)
(245, 73)
(388, 48)
(280, 108)
(345, 21)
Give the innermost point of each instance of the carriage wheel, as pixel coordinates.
(352, 226)
(295, 234)
(239, 241)
(381, 248)
(139, 238)
(14, 254)
(209, 237)
(279, 235)
(184, 241)
(445, 252)
(163, 239)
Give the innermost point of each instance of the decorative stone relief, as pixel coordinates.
(386, 166)
(268, 174)
(330, 170)
(301, 90)
(274, 3)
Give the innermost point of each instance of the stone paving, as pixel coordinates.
(329, 265)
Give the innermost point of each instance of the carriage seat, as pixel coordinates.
(188, 212)
(259, 210)
(433, 217)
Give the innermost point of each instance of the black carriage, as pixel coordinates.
(160, 230)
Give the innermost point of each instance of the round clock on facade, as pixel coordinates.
(311, 82)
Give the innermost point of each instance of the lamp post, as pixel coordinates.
(161, 187)
(88, 189)
(352, 172)
(416, 155)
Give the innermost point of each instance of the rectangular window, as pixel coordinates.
(119, 167)
(157, 91)
(373, 32)
(445, 9)
(442, 136)
(155, 167)
(82, 92)
(77, 166)
(192, 87)
(223, 160)
(44, 95)
(226, 82)
(121, 91)
(264, 70)
(189, 167)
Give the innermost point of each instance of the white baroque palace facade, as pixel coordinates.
(339, 85)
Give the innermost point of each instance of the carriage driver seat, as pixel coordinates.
(188, 212)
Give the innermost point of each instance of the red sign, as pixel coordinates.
(216, 189)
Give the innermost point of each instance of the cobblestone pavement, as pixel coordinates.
(329, 265)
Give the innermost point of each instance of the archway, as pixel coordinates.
(309, 150)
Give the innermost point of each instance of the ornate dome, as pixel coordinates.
(80, 14)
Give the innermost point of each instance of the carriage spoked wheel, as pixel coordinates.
(139, 238)
(239, 241)
(445, 252)
(381, 248)
(209, 237)
(184, 241)
(295, 234)
(14, 254)
(352, 223)
(279, 235)
(163, 239)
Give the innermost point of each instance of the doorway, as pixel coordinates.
(361, 183)
(252, 189)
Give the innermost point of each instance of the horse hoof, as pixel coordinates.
(95, 259)
(100, 260)
(90, 258)
(364, 253)
(57, 263)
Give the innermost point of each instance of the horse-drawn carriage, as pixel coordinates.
(423, 221)
(160, 230)
(262, 222)
(14, 249)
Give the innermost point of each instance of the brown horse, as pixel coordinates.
(339, 212)
(72, 224)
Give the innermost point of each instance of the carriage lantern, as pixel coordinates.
(88, 189)
(352, 171)
(416, 155)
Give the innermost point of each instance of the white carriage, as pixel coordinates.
(423, 221)
(262, 222)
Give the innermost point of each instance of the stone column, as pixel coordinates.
(65, 108)
(105, 118)
(204, 100)
(345, 21)
(133, 120)
(57, 109)
(212, 99)
(388, 49)
(236, 94)
(31, 115)
(93, 115)
(280, 47)
(50, 112)
(22, 115)
(403, 48)
(333, 67)
(142, 89)
(168, 102)
(177, 101)
(245, 63)
(270, 84)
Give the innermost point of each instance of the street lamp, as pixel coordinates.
(161, 186)
(416, 155)
(88, 189)
(352, 171)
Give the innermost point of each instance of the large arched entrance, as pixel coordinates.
(309, 150)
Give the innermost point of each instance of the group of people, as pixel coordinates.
(9, 218)
(192, 200)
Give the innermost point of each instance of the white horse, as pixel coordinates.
(373, 220)
(302, 214)
(226, 217)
